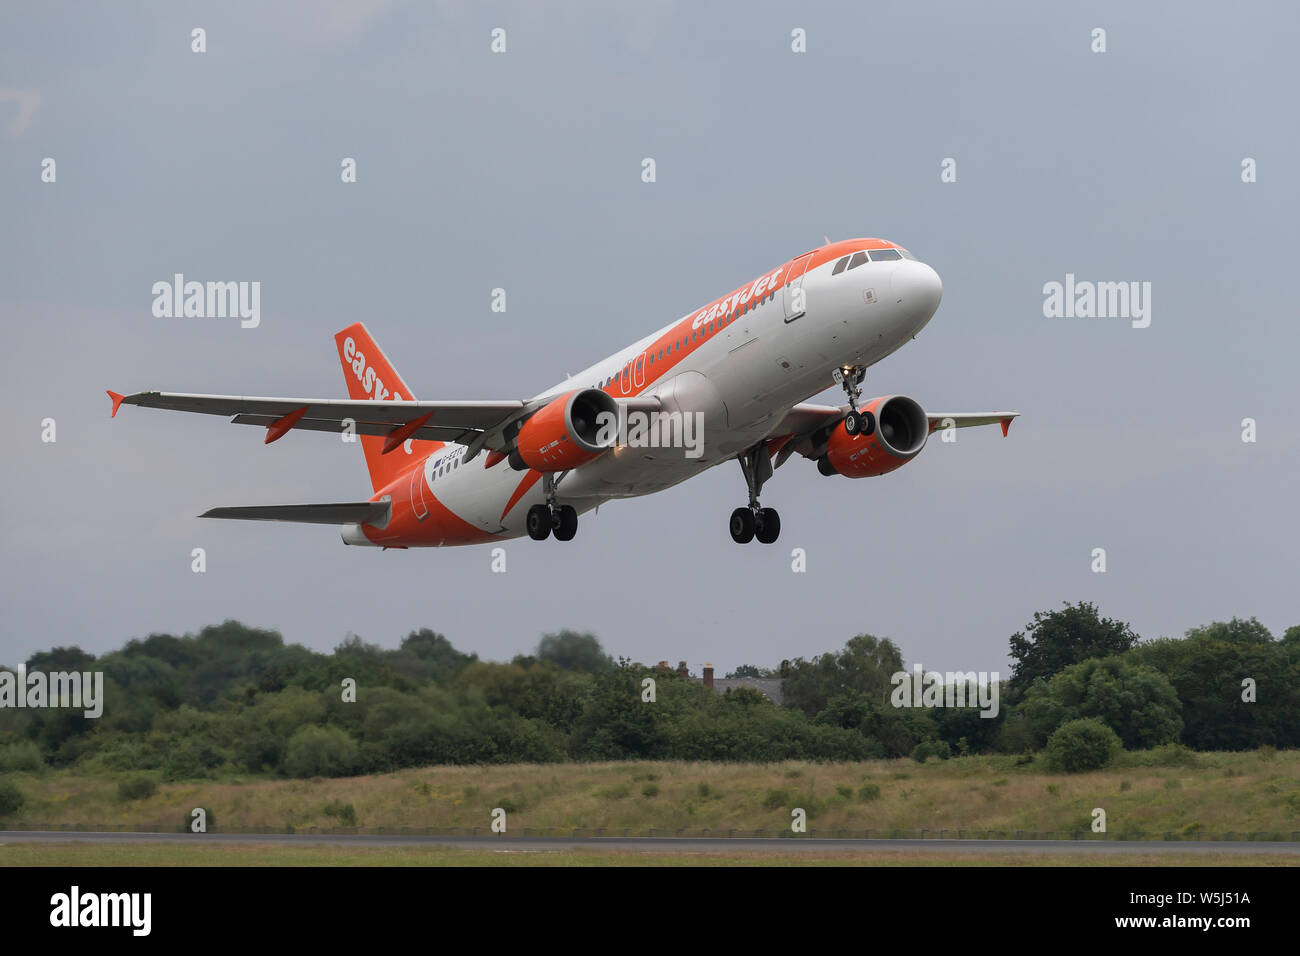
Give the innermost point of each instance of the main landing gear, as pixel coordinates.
(850, 377)
(543, 519)
(755, 522)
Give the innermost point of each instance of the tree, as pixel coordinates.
(574, 651)
(1211, 670)
(1136, 702)
(749, 670)
(64, 659)
(1235, 631)
(320, 752)
(434, 649)
(1056, 639)
(865, 665)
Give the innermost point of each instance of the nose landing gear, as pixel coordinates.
(755, 521)
(850, 377)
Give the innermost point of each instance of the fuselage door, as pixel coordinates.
(419, 507)
(795, 305)
(638, 371)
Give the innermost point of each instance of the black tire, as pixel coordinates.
(539, 522)
(769, 526)
(742, 526)
(568, 525)
(853, 422)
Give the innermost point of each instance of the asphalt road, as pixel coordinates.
(668, 844)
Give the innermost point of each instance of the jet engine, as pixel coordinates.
(566, 432)
(901, 429)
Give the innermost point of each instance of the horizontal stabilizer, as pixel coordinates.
(359, 512)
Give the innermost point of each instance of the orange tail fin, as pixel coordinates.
(370, 375)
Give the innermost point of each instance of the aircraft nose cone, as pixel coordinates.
(918, 287)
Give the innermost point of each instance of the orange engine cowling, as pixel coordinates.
(567, 432)
(901, 428)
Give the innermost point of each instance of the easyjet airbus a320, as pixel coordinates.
(728, 381)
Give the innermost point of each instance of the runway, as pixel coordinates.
(506, 843)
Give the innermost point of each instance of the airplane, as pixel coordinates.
(743, 366)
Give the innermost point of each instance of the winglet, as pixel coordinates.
(1006, 426)
(278, 428)
(117, 401)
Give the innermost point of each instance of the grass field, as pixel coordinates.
(1221, 792)
(175, 854)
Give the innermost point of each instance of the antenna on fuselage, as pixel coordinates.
(828, 239)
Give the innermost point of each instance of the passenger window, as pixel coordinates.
(839, 266)
(884, 255)
(857, 260)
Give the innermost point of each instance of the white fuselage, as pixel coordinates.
(741, 376)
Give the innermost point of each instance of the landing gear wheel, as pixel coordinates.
(769, 526)
(859, 423)
(566, 523)
(538, 522)
(742, 526)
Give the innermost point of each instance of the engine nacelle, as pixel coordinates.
(900, 433)
(564, 433)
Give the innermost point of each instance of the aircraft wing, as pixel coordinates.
(461, 422)
(806, 427)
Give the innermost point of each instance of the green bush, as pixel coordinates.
(1081, 745)
(11, 799)
(190, 760)
(868, 792)
(931, 748)
(320, 752)
(345, 813)
(137, 786)
(21, 756)
(650, 790)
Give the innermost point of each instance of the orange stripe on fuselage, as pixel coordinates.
(525, 483)
(704, 328)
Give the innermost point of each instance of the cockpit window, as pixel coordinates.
(906, 255)
(857, 260)
(839, 266)
(884, 255)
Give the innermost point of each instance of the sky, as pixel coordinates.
(522, 170)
